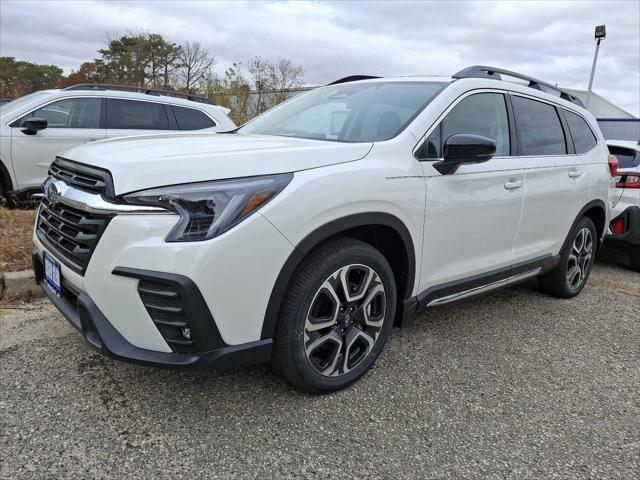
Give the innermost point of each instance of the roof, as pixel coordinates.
(599, 106)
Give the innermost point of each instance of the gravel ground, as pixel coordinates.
(511, 385)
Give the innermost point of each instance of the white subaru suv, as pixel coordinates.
(304, 236)
(37, 127)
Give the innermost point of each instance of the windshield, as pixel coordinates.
(18, 103)
(356, 112)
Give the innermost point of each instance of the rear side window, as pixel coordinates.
(134, 115)
(539, 128)
(191, 119)
(583, 138)
(482, 114)
(627, 158)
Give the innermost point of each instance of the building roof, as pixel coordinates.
(599, 106)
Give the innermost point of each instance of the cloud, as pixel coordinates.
(548, 40)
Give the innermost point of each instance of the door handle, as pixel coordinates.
(512, 184)
(574, 173)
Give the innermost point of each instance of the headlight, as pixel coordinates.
(209, 209)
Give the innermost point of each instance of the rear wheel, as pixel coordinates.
(576, 260)
(336, 317)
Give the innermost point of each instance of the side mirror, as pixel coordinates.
(34, 124)
(465, 148)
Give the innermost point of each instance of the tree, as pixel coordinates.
(18, 78)
(194, 67)
(287, 77)
(85, 74)
(142, 60)
(232, 91)
(162, 56)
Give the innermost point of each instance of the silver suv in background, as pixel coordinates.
(36, 127)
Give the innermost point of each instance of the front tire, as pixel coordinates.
(336, 316)
(570, 276)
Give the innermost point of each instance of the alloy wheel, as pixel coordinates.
(344, 320)
(580, 259)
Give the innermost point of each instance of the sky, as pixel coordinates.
(549, 40)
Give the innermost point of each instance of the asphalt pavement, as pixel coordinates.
(511, 385)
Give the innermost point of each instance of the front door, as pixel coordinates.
(472, 215)
(70, 122)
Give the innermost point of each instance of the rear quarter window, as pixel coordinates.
(583, 138)
(627, 158)
(191, 119)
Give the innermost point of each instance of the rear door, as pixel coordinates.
(71, 121)
(557, 179)
(138, 117)
(472, 215)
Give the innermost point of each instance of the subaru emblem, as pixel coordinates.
(53, 191)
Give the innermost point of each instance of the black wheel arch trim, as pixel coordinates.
(5, 177)
(335, 227)
(593, 203)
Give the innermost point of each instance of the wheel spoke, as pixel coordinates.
(330, 363)
(578, 243)
(326, 292)
(574, 272)
(374, 293)
(352, 294)
(356, 338)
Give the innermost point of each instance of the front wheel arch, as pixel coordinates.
(384, 231)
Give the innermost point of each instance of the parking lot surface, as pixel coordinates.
(510, 385)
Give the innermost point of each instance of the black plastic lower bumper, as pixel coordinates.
(98, 332)
(631, 233)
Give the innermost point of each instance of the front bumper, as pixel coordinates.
(100, 334)
(631, 233)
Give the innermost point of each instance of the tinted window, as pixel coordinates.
(583, 139)
(627, 158)
(69, 113)
(539, 128)
(483, 114)
(191, 119)
(131, 114)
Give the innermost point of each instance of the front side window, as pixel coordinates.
(69, 113)
(483, 114)
(135, 115)
(191, 119)
(351, 112)
(539, 128)
(583, 138)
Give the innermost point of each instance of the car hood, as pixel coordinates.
(150, 161)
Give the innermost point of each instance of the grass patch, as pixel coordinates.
(16, 228)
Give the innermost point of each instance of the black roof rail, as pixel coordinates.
(147, 91)
(481, 71)
(352, 78)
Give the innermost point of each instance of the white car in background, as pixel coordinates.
(304, 236)
(36, 127)
(624, 230)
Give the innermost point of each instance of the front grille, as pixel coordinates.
(167, 309)
(80, 176)
(70, 232)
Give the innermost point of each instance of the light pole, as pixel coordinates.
(601, 33)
